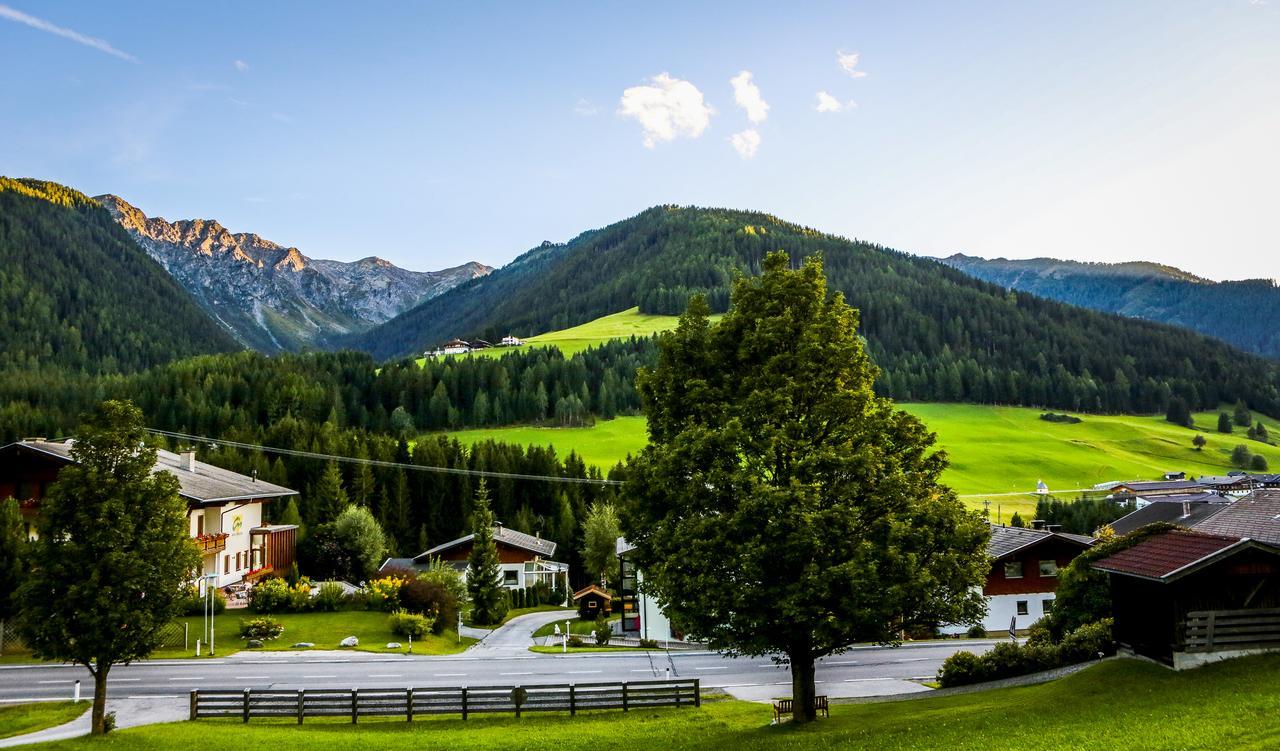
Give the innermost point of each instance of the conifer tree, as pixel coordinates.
(1224, 422)
(488, 606)
(328, 496)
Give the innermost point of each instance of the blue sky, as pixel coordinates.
(432, 134)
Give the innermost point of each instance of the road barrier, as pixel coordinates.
(464, 700)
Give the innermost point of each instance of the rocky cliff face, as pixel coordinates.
(274, 298)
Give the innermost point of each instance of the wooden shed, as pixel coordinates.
(592, 601)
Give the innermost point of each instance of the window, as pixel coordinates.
(199, 524)
(1046, 606)
(238, 562)
(1022, 607)
(1048, 568)
(592, 604)
(510, 578)
(1013, 569)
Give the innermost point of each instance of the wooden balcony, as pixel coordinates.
(211, 543)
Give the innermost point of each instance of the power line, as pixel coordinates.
(379, 463)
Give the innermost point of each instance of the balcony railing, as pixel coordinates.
(211, 543)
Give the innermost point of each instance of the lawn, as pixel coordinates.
(19, 719)
(1123, 704)
(590, 647)
(325, 630)
(517, 612)
(580, 626)
(993, 450)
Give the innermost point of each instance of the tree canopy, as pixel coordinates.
(781, 506)
(488, 603)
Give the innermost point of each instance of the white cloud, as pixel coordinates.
(747, 96)
(667, 109)
(585, 108)
(39, 23)
(746, 143)
(241, 66)
(849, 63)
(828, 103)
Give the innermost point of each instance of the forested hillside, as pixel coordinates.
(77, 293)
(1243, 313)
(938, 334)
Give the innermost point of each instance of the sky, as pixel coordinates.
(431, 134)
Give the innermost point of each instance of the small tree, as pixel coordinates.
(12, 545)
(1016, 520)
(1199, 441)
(328, 498)
(600, 532)
(488, 605)
(361, 535)
(780, 505)
(1224, 422)
(1258, 463)
(1260, 432)
(290, 515)
(1243, 417)
(107, 572)
(1241, 456)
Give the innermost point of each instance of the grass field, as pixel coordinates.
(1122, 704)
(993, 450)
(576, 626)
(571, 341)
(325, 630)
(20, 719)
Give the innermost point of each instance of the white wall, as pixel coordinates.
(653, 623)
(1002, 608)
(223, 519)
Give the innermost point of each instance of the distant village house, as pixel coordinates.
(524, 560)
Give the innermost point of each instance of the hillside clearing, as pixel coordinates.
(1121, 704)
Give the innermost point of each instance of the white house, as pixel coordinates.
(642, 615)
(512, 341)
(456, 347)
(224, 508)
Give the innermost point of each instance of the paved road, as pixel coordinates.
(859, 671)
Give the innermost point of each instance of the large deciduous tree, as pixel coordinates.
(600, 533)
(781, 506)
(107, 572)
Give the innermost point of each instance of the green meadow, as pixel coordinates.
(996, 453)
(1119, 704)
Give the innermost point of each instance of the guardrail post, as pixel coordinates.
(624, 698)
(517, 703)
(301, 703)
(464, 702)
(194, 700)
(355, 705)
(246, 705)
(408, 704)
(573, 700)
(697, 692)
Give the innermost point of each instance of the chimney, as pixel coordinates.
(1186, 509)
(253, 475)
(1054, 527)
(187, 461)
(1037, 524)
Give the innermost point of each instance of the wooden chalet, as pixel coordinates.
(1185, 598)
(225, 510)
(524, 560)
(592, 601)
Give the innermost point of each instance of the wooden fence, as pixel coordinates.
(1216, 630)
(464, 701)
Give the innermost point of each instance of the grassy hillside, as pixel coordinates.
(993, 450)
(1123, 704)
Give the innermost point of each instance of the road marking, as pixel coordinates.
(583, 672)
(771, 665)
(191, 678)
(515, 673)
(838, 664)
(724, 667)
(156, 696)
(314, 677)
(643, 671)
(251, 677)
(863, 680)
(385, 675)
(912, 659)
(61, 681)
(125, 680)
(447, 675)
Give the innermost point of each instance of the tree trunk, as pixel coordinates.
(100, 698)
(803, 688)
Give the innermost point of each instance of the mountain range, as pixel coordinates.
(273, 298)
(1243, 313)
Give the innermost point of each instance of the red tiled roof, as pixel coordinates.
(1159, 556)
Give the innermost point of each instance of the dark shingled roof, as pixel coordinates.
(1165, 555)
(538, 545)
(1155, 486)
(1008, 540)
(208, 484)
(1256, 516)
(1170, 509)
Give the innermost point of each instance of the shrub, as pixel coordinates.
(976, 631)
(261, 628)
(271, 596)
(602, 632)
(194, 604)
(1007, 659)
(300, 596)
(430, 597)
(329, 597)
(447, 576)
(384, 593)
(1258, 463)
(1067, 419)
(412, 625)
(648, 643)
(576, 641)
(961, 669)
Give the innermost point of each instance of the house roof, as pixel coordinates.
(1153, 486)
(590, 589)
(1006, 541)
(206, 485)
(1256, 516)
(1170, 509)
(502, 536)
(1171, 555)
(1219, 480)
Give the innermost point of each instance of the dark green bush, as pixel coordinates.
(261, 628)
(576, 641)
(961, 669)
(648, 643)
(1008, 659)
(976, 631)
(194, 604)
(603, 632)
(271, 596)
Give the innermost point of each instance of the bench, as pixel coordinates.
(785, 707)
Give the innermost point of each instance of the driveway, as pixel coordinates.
(516, 635)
